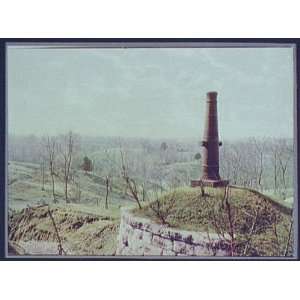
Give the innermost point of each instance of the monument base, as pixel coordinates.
(210, 183)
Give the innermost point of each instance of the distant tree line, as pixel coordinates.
(263, 164)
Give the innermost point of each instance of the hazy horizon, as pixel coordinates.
(196, 139)
(150, 93)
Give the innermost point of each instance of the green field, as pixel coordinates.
(25, 193)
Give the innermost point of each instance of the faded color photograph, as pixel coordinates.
(169, 152)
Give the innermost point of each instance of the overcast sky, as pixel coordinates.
(150, 92)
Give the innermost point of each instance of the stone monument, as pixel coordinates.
(210, 144)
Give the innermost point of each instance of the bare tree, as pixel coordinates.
(284, 156)
(236, 163)
(66, 148)
(230, 220)
(274, 151)
(162, 211)
(107, 184)
(130, 183)
(252, 230)
(144, 192)
(111, 168)
(260, 149)
(60, 248)
(225, 165)
(43, 173)
(78, 190)
(286, 250)
(51, 148)
(251, 162)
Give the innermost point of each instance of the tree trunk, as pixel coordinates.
(53, 188)
(260, 172)
(66, 190)
(107, 191)
(275, 173)
(230, 221)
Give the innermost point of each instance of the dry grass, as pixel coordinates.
(83, 234)
(261, 227)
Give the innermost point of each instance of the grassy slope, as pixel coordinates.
(25, 188)
(94, 238)
(190, 207)
(185, 208)
(81, 233)
(190, 211)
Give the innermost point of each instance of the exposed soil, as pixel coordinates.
(81, 234)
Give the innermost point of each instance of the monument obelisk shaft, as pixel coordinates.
(210, 144)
